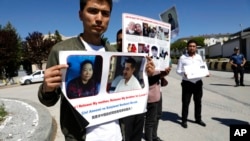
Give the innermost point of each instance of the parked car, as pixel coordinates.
(35, 77)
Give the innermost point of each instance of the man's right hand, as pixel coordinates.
(53, 77)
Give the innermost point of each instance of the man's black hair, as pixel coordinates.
(131, 61)
(118, 32)
(154, 48)
(84, 2)
(191, 41)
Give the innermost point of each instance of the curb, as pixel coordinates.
(43, 131)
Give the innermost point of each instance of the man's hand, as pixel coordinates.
(150, 67)
(53, 77)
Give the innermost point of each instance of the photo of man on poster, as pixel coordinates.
(170, 16)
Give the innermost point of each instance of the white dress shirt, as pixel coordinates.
(186, 60)
(132, 84)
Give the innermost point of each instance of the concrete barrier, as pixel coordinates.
(220, 66)
(26, 120)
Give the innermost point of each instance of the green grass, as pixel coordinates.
(3, 113)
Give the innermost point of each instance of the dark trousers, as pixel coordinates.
(151, 122)
(189, 89)
(158, 117)
(238, 70)
(133, 127)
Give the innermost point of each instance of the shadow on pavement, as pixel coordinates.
(222, 85)
(229, 121)
(171, 117)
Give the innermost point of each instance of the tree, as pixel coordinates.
(57, 37)
(10, 51)
(178, 46)
(199, 41)
(36, 48)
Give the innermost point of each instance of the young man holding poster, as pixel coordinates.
(95, 16)
(191, 86)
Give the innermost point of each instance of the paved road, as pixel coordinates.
(223, 104)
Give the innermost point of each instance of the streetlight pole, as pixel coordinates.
(240, 37)
(241, 28)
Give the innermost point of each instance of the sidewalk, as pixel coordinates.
(223, 105)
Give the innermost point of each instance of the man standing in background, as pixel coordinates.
(237, 60)
(191, 86)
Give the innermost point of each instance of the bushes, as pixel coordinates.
(3, 113)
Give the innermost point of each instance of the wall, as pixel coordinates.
(214, 50)
(248, 49)
(228, 47)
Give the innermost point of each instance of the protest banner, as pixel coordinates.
(170, 16)
(146, 35)
(95, 99)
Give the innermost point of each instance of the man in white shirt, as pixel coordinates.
(190, 86)
(133, 124)
(129, 81)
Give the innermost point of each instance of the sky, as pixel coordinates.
(195, 17)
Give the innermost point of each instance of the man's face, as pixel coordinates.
(138, 28)
(140, 48)
(119, 42)
(131, 26)
(236, 51)
(154, 52)
(95, 17)
(128, 71)
(192, 48)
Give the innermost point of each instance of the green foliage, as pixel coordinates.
(199, 41)
(3, 113)
(57, 37)
(13, 52)
(10, 51)
(36, 48)
(33, 48)
(178, 45)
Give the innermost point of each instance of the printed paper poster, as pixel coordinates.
(145, 35)
(196, 71)
(94, 84)
(170, 16)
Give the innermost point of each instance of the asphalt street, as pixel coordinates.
(223, 105)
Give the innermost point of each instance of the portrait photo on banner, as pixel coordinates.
(83, 77)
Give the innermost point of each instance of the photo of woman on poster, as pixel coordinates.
(85, 84)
